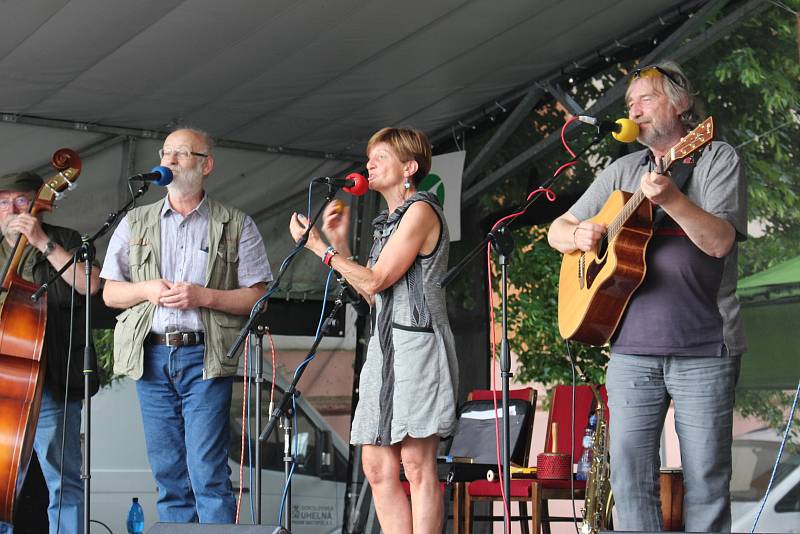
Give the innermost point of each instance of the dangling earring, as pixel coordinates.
(407, 184)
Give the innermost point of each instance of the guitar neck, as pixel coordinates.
(635, 201)
(693, 141)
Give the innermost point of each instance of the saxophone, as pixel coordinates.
(599, 500)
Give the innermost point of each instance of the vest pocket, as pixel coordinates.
(225, 272)
(138, 256)
(224, 328)
(124, 333)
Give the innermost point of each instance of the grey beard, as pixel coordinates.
(187, 183)
(656, 135)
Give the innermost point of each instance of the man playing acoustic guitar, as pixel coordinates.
(680, 337)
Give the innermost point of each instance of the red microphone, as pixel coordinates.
(355, 184)
(360, 184)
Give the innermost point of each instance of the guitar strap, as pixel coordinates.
(680, 172)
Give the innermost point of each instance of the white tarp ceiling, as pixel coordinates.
(315, 75)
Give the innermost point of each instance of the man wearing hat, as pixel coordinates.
(49, 248)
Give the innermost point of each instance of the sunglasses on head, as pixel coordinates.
(653, 71)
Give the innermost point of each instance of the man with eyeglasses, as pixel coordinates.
(49, 248)
(188, 269)
(681, 337)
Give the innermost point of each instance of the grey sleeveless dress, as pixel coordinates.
(409, 381)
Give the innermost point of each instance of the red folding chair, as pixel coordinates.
(540, 492)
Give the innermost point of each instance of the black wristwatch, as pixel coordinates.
(50, 247)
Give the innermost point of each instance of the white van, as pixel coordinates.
(754, 455)
(120, 470)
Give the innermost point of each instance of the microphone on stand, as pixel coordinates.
(158, 175)
(623, 130)
(355, 183)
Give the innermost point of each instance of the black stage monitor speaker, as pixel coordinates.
(194, 528)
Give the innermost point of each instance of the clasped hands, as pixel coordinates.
(180, 295)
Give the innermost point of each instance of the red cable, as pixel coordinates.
(574, 160)
(272, 388)
(547, 193)
(244, 427)
(494, 387)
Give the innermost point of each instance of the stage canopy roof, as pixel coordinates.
(291, 88)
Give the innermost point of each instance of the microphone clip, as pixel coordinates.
(348, 295)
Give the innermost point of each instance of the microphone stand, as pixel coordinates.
(503, 244)
(250, 327)
(285, 407)
(257, 352)
(86, 254)
(260, 305)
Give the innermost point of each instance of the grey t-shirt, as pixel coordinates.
(687, 302)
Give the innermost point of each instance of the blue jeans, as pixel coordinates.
(186, 431)
(47, 444)
(639, 393)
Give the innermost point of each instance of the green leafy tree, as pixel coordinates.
(749, 83)
(104, 347)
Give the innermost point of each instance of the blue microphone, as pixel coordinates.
(159, 175)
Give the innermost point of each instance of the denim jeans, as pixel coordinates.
(186, 431)
(639, 393)
(47, 445)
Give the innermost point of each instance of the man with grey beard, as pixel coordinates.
(187, 269)
(681, 337)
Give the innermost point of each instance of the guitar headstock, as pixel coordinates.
(693, 141)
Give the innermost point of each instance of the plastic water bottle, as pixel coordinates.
(585, 463)
(135, 517)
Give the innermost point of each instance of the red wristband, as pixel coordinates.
(329, 254)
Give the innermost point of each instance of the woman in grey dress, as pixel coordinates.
(407, 387)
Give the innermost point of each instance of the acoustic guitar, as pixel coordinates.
(594, 287)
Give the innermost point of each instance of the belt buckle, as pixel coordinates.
(180, 338)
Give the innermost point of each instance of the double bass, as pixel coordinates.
(22, 328)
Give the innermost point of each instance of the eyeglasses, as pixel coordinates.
(180, 153)
(653, 71)
(20, 202)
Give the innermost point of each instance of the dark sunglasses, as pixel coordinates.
(652, 71)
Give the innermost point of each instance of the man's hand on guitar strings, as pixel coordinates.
(586, 235)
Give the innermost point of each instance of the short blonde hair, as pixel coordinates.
(409, 144)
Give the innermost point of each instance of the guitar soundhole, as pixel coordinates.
(602, 247)
(597, 265)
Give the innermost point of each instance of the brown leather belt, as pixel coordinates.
(176, 339)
